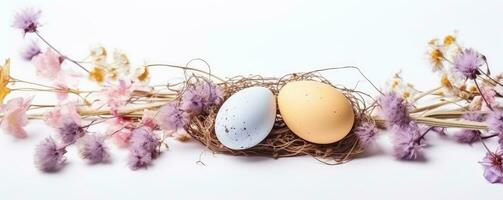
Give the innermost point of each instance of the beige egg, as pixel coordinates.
(315, 111)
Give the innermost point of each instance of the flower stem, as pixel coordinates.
(348, 67)
(118, 130)
(59, 52)
(487, 148)
(32, 83)
(418, 140)
(490, 78)
(433, 106)
(185, 68)
(427, 93)
(489, 136)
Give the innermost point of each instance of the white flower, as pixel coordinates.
(405, 90)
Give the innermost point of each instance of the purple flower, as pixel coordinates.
(48, 156)
(93, 149)
(143, 148)
(470, 136)
(200, 96)
(69, 132)
(495, 123)
(394, 109)
(139, 158)
(145, 138)
(474, 116)
(27, 20)
(407, 141)
(493, 166)
(172, 118)
(366, 133)
(468, 62)
(31, 50)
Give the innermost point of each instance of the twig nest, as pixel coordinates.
(281, 141)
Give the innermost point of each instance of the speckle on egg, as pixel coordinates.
(237, 116)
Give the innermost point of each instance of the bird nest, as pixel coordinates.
(281, 141)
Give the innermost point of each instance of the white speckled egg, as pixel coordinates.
(246, 118)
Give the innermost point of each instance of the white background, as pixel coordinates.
(257, 37)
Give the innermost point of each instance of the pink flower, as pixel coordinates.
(62, 93)
(118, 95)
(121, 137)
(48, 64)
(490, 96)
(15, 118)
(120, 131)
(478, 102)
(148, 119)
(63, 82)
(493, 166)
(62, 114)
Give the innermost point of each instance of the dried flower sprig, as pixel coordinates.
(27, 20)
(14, 116)
(366, 133)
(408, 141)
(49, 156)
(493, 166)
(144, 148)
(94, 149)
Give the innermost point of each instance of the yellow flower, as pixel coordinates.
(121, 61)
(397, 84)
(143, 73)
(433, 42)
(436, 58)
(445, 82)
(112, 73)
(97, 74)
(396, 81)
(120, 67)
(99, 55)
(4, 80)
(406, 94)
(448, 40)
(121, 58)
(473, 89)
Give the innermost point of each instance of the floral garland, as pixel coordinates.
(134, 110)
